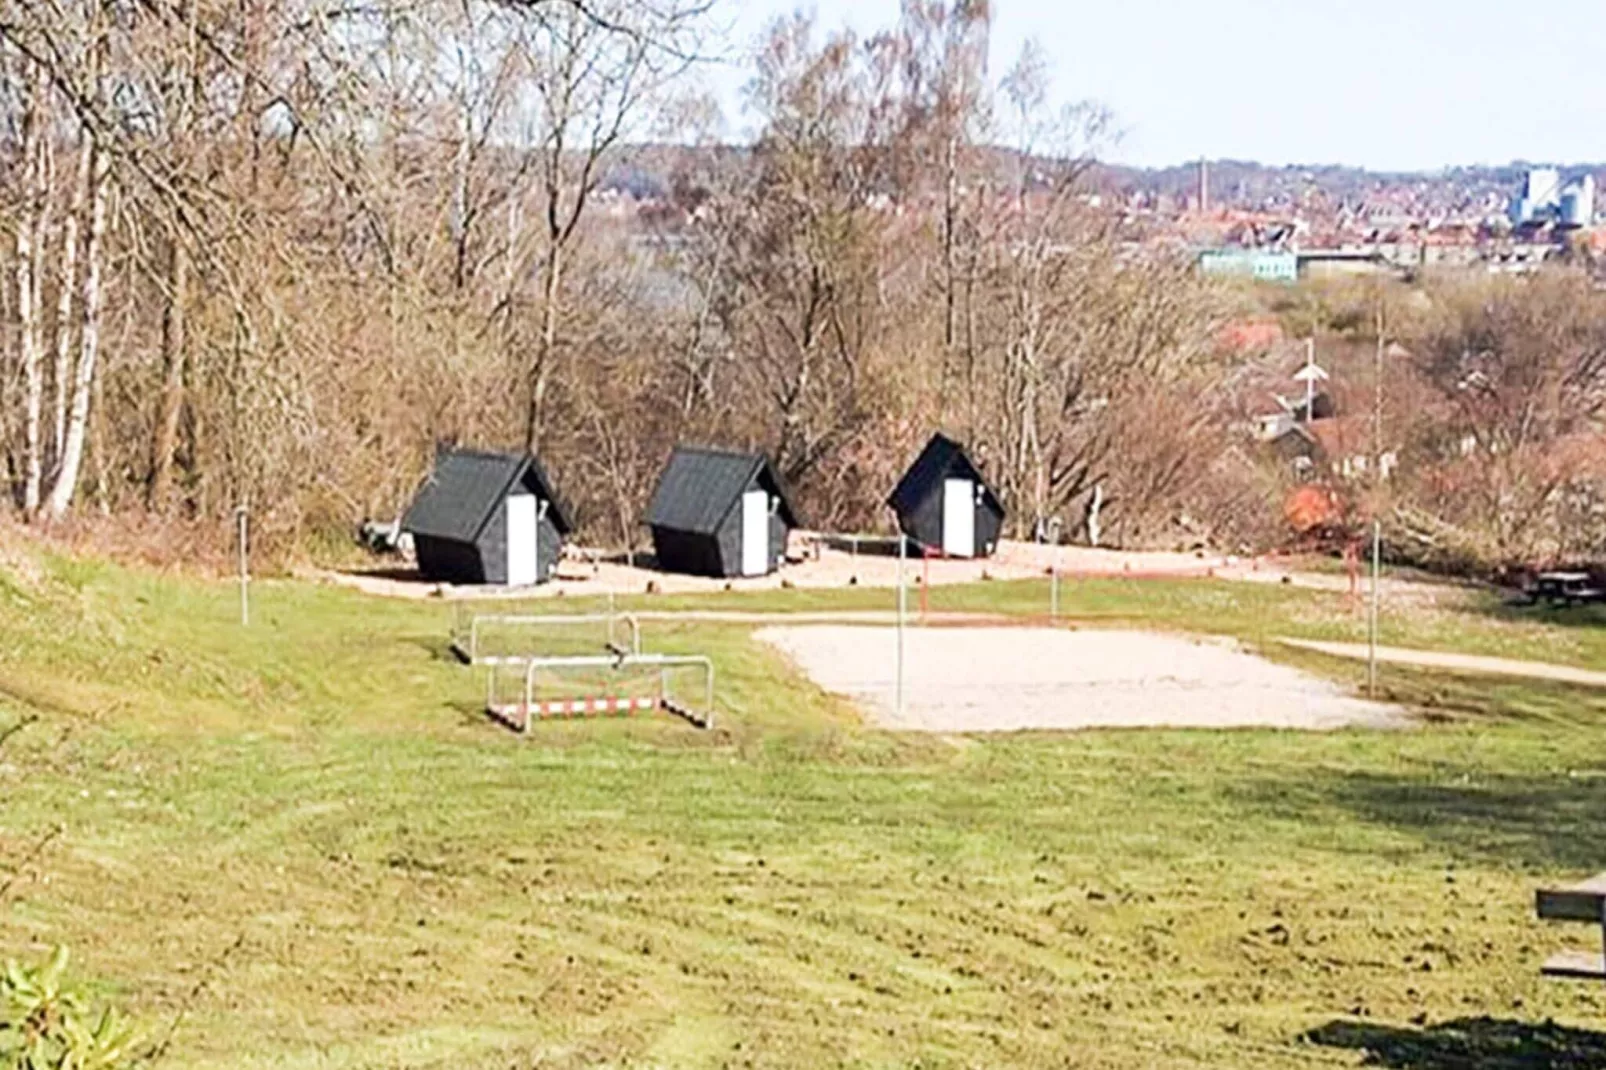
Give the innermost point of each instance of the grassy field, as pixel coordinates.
(303, 844)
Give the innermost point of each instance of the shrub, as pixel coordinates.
(47, 1024)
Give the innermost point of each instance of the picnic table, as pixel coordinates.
(1567, 588)
(1584, 902)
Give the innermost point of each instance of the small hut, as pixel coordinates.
(487, 518)
(945, 506)
(719, 513)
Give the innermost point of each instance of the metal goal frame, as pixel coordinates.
(530, 707)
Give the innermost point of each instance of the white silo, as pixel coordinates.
(1578, 203)
(1544, 189)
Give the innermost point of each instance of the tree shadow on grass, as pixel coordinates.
(1467, 1044)
(1441, 696)
(1540, 822)
(438, 648)
(472, 715)
(1517, 609)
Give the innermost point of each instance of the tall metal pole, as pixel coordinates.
(1310, 380)
(1377, 402)
(1371, 630)
(1377, 505)
(242, 524)
(1054, 569)
(903, 543)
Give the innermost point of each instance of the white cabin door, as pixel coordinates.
(522, 564)
(755, 533)
(958, 518)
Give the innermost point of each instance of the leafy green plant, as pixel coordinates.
(47, 1024)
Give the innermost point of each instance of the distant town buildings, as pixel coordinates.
(1245, 220)
(1259, 264)
(1401, 224)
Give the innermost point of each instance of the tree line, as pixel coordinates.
(270, 253)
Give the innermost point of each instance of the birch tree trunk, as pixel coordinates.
(33, 387)
(67, 287)
(542, 373)
(28, 340)
(72, 455)
(44, 224)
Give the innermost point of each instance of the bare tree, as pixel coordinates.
(28, 236)
(72, 453)
(800, 294)
(596, 70)
(1520, 376)
(1046, 249)
(301, 243)
(66, 287)
(943, 46)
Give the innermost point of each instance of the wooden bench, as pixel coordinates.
(1578, 902)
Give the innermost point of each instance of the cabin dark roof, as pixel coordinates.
(941, 457)
(700, 486)
(467, 486)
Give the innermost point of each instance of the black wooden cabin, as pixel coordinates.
(485, 517)
(719, 513)
(945, 506)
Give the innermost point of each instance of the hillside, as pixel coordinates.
(301, 845)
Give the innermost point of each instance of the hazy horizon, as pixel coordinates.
(1422, 87)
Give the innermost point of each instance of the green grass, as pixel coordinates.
(305, 838)
(1471, 620)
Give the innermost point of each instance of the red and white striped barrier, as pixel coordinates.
(581, 707)
(518, 714)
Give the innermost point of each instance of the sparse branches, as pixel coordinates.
(598, 71)
(299, 242)
(1507, 451)
(799, 277)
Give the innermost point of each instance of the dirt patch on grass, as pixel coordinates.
(1452, 661)
(1010, 679)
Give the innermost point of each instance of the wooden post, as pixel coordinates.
(925, 583)
(242, 526)
(902, 610)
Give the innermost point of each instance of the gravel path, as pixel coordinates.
(1473, 663)
(1008, 679)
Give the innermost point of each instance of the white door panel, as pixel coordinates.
(755, 533)
(522, 550)
(958, 518)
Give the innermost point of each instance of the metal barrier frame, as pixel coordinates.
(471, 653)
(663, 662)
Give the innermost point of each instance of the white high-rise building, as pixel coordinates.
(1544, 187)
(1541, 196)
(1578, 203)
(1545, 200)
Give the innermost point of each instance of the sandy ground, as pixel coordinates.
(1469, 663)
(1008, 679)
(814, 565)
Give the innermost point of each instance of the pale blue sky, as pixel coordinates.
(1397, 84)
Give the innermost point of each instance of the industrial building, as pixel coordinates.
(1259, 264)
(1545, 199)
